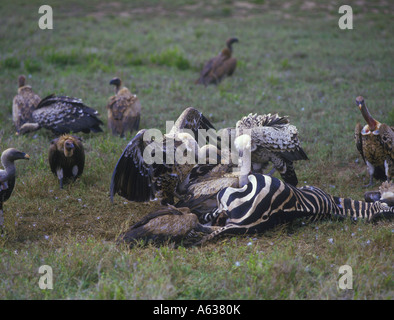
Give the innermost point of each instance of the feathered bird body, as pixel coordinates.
(7, 176)
(274, 140)
(375, 142)
(63, 114)
(220, 66)
(23, 104)
(204, 182)
(136, 180)
(124, 110)
(385, 194)
(167, 224)
(66, 157)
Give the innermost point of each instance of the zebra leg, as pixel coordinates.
(218, 231)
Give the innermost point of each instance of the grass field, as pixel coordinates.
(292, 59)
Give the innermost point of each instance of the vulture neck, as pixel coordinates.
(9, 166)
(244, 164)
(372, 123)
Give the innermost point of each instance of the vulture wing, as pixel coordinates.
(62, 114)
(133, 178)
(358, 139)
(386, 138)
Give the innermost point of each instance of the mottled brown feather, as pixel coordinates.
(23, 104)
(124, 112)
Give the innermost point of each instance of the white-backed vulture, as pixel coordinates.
(167, 224)
(124, 110)
(274, 140)
(62, 114)
(136, 180)
(7, 176)
(66, 158)
(220, 66)
(375, 142)
(24, 103)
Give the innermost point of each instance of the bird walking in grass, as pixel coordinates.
(66, 158)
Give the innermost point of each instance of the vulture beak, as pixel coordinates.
(26, 156)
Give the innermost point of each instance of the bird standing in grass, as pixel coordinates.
(375, 142)
(220, 66)
(24, 103)
(66, 158)
(7, 176)
(124, 110)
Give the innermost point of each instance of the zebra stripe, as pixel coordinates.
(266, 201)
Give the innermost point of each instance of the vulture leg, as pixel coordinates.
(59, 173)
(371, 171)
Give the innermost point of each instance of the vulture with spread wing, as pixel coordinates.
(62, 114)
(149, 164)
(274, 140)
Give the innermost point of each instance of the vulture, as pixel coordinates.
(385, 194)
(124, 110)
(167, 224)
(23, 104)
(205, 181)
(66, 158)
(375, 142)
(148, 165)
(7, 176)
(275, 140)
(220, 66)
(62, 114)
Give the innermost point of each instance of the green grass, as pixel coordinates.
(292, 59)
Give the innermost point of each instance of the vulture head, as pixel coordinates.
(21, 81)
(230, 42)
(12, 154)
(69, 148)
(117, 83)
(372, 123)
